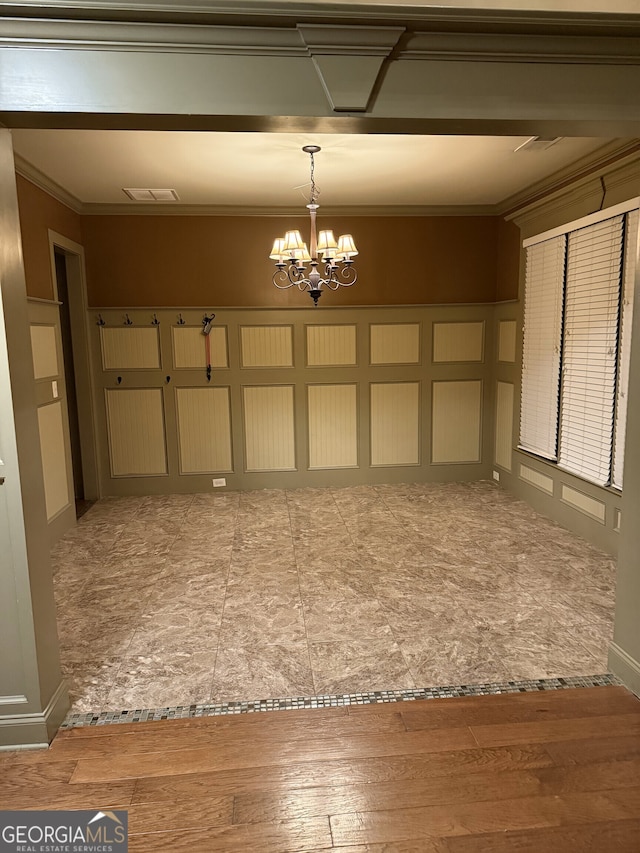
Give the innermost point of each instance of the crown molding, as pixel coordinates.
(44, 182)
(249, 11)
(509, 47)
(610, 155)
(172, 209)
(294, 37)
(138, 36)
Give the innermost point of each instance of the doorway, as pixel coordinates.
(68, 272)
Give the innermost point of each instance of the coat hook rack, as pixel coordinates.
(100, 321)
(127, 320)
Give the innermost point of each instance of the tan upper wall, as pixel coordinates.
(223, 261)
(508, 265)
(40, 212)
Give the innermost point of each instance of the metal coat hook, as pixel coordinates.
(127, 320)
(207, 324)
(119, 380)
(100, 321)
(155, 321)
(208, 373)
(168, 378)
(181, 320)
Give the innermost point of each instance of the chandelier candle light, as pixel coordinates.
(330, 262)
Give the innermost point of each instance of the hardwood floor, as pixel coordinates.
(528, 772)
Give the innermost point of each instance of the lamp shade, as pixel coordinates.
(302, 254)
(346, 246)
(327, 243)
(292, 241)
(277, 252)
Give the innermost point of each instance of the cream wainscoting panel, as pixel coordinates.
(507, 341)
(331, 346)
(584, 503)
(266, 346)
(456, 426)
(333, 426)
(54, 458)
(130, 347)
(204, 430)
(458, 342)
(44, 351)
(135, 424)
(395, 423)
(504, 425)
(189, 347)
(537, 479)
(395, 343)
(269, 428)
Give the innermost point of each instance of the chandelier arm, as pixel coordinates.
(284, 278)
(346, 276)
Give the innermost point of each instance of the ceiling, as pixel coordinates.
(269, 172)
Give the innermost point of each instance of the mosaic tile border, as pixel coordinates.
(182, 712)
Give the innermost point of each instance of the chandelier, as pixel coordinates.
(325, 263)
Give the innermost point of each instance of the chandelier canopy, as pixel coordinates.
(325, 263)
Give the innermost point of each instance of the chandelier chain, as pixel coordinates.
(314, 193)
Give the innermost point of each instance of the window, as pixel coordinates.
(577, 329)
(541, 348)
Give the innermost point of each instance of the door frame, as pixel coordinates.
(78, 310)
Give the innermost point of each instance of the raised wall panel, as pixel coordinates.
(504, 424)
(54, 458)
(584, 503)
(507, 340)
(333, 426)
(135, 424)
(189, 347)
(204, 430)
(266, 346)
(269, 428)
(44, 351)
(130, 347)
(395, 343)
(457, 341)
(457, 409)
(331, 345)
(537, 479)
(395, 423)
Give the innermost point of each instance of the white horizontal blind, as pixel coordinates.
(628, 278)
(594, 257)
(541, 349)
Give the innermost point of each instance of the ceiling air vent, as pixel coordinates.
(151, 195)
(538, 143)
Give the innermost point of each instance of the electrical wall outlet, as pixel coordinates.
(220, 481)
(496, 476)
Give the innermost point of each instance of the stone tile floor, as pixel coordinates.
(183, 599)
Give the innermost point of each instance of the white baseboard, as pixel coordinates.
(625, 667)
(34, 730)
